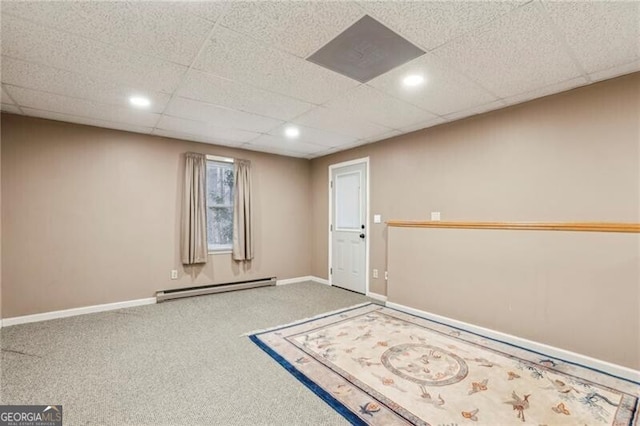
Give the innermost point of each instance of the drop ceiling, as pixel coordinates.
(236, 74)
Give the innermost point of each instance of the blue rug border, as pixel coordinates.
(342, 409)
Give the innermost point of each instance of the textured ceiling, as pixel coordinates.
(236, 74)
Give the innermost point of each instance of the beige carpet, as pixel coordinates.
(379, 366)
(182, 362)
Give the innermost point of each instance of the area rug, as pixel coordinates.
(379, 366)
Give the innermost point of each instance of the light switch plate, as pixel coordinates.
(435, 216)
(377, 218)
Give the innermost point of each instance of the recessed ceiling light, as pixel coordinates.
(139, 101)
(413, 80)
(292, 132)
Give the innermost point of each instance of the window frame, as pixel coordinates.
(220, 249)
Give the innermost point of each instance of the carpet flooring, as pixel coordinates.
(182, 362)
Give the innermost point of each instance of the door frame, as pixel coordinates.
(365, 161)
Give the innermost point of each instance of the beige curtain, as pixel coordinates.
(194, 210)
(242, 218)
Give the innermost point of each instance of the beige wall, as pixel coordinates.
(91, 216)
(573, 290)
(568, 157)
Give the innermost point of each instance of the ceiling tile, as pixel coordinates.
(272, 150)
(432, 23)
(10, 108)
(5, 97)
(423, 125)
(548, 90)
(476, 110)
(154, 28)
(220, 116)
(196, 138)
(336, 121)
(41, 77)
(616, 71)
(227, 93)
(372, 105)
(514, 54)
(381, 137)
(600, 33)
(315, 136)
(268, 142)
(236, 57)
(443, 92)
(79, 107)
(85, 120)
(300, 28)
(200, 128)
(28, 41)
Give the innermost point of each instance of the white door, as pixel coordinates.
(348, 232)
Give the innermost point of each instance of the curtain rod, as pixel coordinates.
(218, 158)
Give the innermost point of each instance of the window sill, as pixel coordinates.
(220, 252)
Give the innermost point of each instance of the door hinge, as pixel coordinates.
(331, 227)
(330, 271)
(331, 184)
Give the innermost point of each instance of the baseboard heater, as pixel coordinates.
(178, 293)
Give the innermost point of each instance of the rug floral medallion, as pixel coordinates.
(380, 366)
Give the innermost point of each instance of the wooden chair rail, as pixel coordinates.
(523, 226)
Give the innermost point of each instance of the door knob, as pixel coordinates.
(361, 235)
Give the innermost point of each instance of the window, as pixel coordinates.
(219, 204)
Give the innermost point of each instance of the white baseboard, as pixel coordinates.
(320, 280)
(377, 296)
(302, 280)
(293, 280)
(6, 322)
(551, 351)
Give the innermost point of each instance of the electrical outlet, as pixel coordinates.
(435, 216)
(386, 275)
(174, 274)
(375, 273)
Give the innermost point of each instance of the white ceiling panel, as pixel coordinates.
(234, 73)
(381, 136)
(545, 91)
(10, 108)
(79, 107)
(237, 57)
(154, 28)
(616, 71)
(325, 118)
(315, 136)
(6, 99)
(32, 42)
(228, 93)
(300, 28)
(600, 33)
(204, 129)
(220, 116)
(86, 121)
(369, 104)
(281, 143)
(48, 79)
(443, 92)
(476, 110)
(196, 138)
(514, 54)
(274, 150)
(423, 125)
(432, 23)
